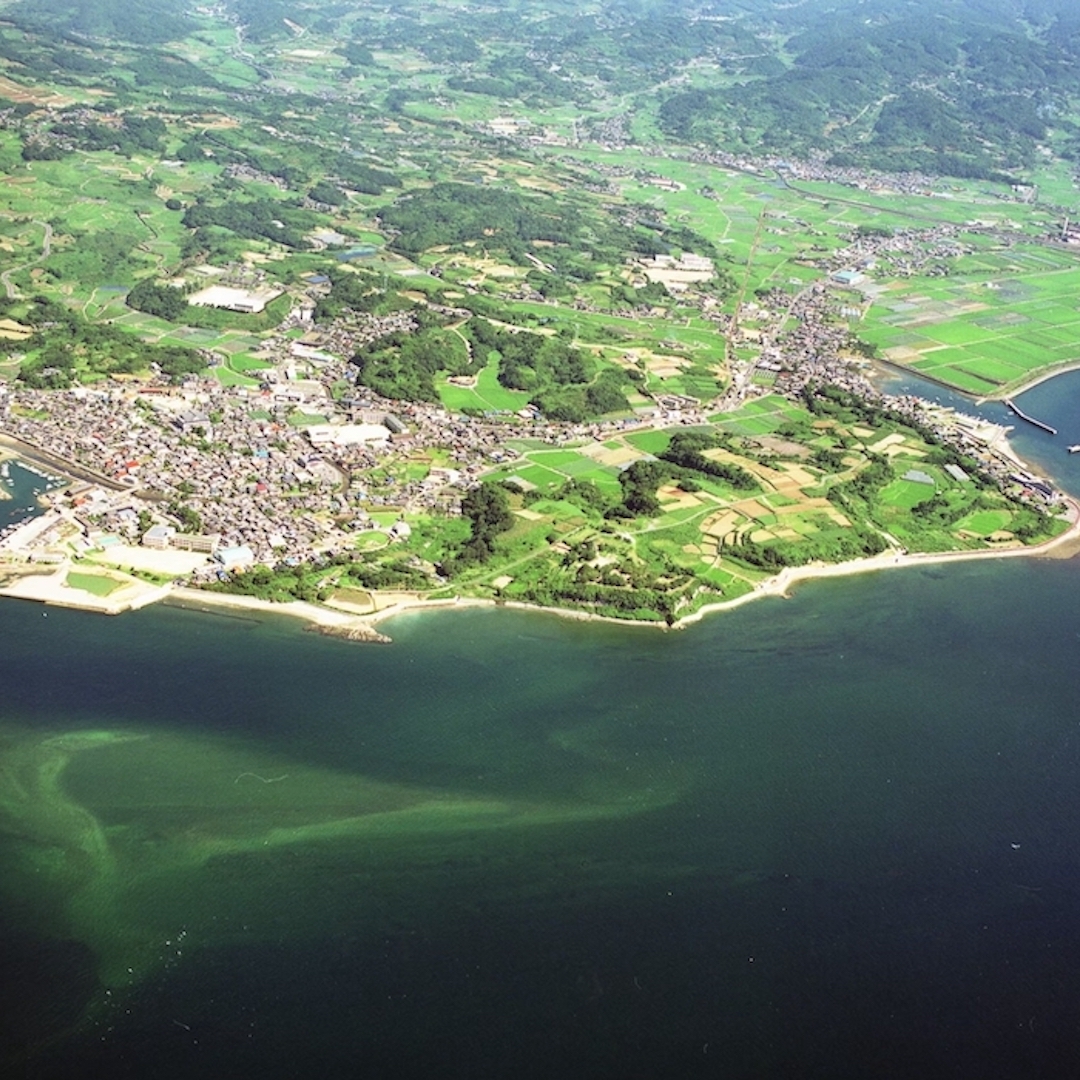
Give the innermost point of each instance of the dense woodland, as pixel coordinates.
(564, 382)
(954, 88)
(508, 221)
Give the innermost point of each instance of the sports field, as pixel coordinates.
(95, 584)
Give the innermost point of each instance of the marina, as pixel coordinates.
(23, 515)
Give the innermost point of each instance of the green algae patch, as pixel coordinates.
(150, 847)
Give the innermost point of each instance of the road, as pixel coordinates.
(46, 249)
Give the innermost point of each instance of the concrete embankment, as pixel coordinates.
(1014, 408)
(37, 455)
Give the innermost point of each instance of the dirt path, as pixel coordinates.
(46, 250)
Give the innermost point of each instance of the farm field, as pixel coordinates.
(809, 492)
(1002, 318)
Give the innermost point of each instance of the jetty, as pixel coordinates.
(1030, 419)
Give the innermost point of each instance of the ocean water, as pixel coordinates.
(22, 486)
(828, 836)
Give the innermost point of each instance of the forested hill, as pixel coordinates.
(971, 88)
(145, 22)
(961, 87)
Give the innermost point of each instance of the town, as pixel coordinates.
(227, 474)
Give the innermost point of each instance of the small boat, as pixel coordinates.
(1075, 449)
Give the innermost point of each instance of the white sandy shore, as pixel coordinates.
(780, 586)
(315, 615)
(782, 583)
(51, 589)
(891, 560)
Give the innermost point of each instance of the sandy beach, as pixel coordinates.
(346, 622)
(325, 619)
(1064, 546)
(362, 626)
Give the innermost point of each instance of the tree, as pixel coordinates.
(161, 300)
(487, 508)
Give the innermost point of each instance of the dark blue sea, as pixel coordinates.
(829, 836)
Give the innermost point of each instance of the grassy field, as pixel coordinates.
(487, 395)
(95, 584)
(761, 416)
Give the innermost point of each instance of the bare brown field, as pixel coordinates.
(34, 95)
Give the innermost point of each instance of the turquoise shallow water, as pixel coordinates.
(828, 836)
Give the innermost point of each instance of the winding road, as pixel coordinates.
(46, 249)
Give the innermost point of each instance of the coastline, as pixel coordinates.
(1036, 379)
(6, 454)
(789, 577)
(326, 620)
(344, 621)
(17, 447)
(363, 627)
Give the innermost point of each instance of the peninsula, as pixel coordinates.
(428, 340)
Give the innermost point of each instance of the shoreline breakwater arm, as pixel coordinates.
(1012, 406)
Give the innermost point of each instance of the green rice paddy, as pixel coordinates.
(988, 328)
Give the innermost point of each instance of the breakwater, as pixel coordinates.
(1012, 406)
